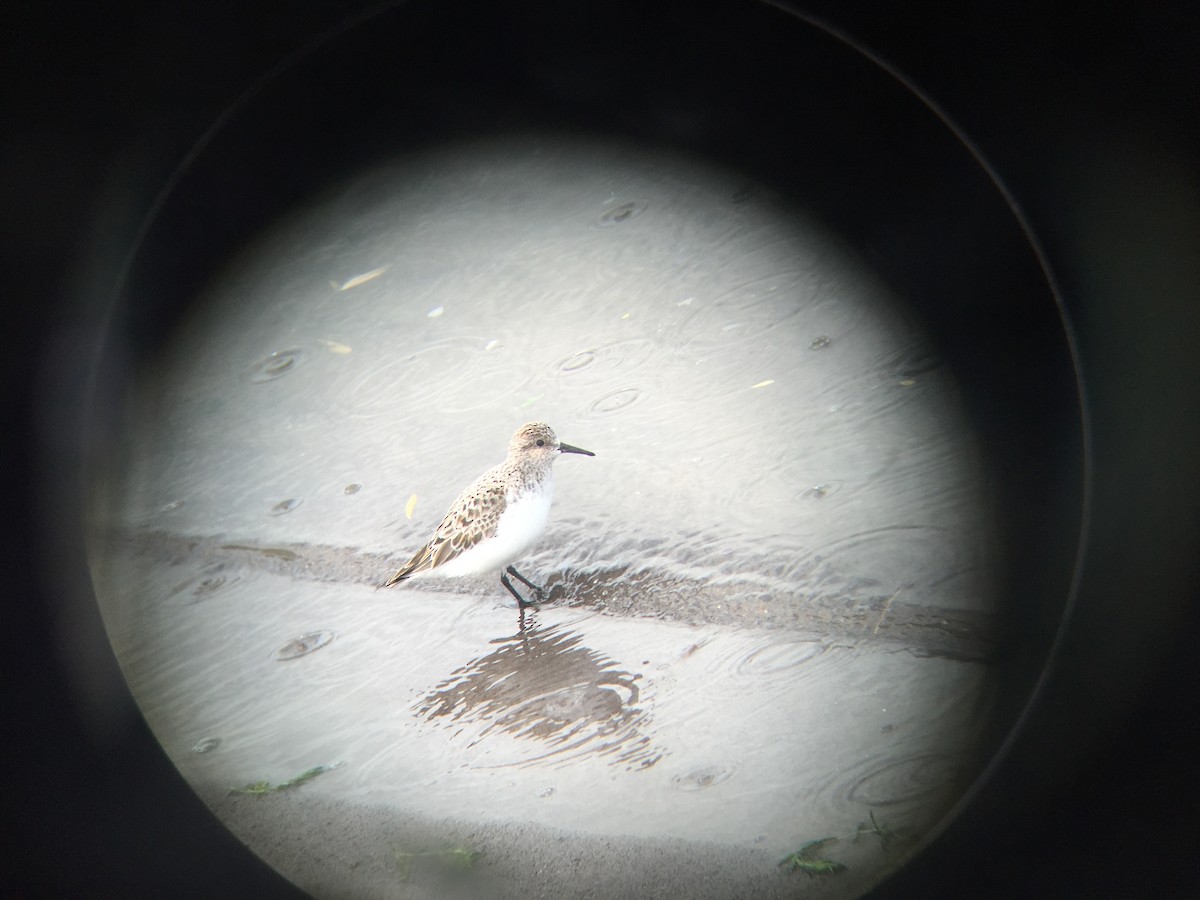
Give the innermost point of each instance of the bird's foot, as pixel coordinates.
(539, 593)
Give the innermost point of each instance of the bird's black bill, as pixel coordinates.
(567, 448)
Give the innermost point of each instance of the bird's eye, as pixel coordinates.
(541, 443)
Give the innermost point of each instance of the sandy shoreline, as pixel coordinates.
(334, 849)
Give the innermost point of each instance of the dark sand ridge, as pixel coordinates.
(967, 635)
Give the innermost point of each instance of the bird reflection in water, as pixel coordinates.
(543, 684)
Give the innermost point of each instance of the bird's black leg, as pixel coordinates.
(521, 601)
(540, 591)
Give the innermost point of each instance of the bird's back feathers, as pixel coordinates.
(473, 517)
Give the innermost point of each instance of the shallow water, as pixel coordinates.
(772, 589)
(440, 703)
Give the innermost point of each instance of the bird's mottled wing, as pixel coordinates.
(473, 517)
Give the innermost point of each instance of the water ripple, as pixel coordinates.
(613, 402)
(904, 780)
(749, 310)
(779, 657)
(285, 506)
(701, 779)
(453, 375)
(621, 213)
(598, 364)
(304, 644)
(212, 579)
(275, 365)
(921, 560)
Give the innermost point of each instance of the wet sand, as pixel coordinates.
(333, 849)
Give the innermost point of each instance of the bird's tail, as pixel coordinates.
(396, 579)
(410, 568)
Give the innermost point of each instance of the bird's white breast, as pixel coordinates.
(521, 524)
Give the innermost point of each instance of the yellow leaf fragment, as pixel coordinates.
(410, 506)
(762, 383)
(335, 346)
(363, 278)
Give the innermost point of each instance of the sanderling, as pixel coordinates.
(495, 520)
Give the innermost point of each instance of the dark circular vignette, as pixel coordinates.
(1034, 621)
(967, 270)
(94, 799)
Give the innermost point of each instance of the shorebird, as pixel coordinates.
(498, 517)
